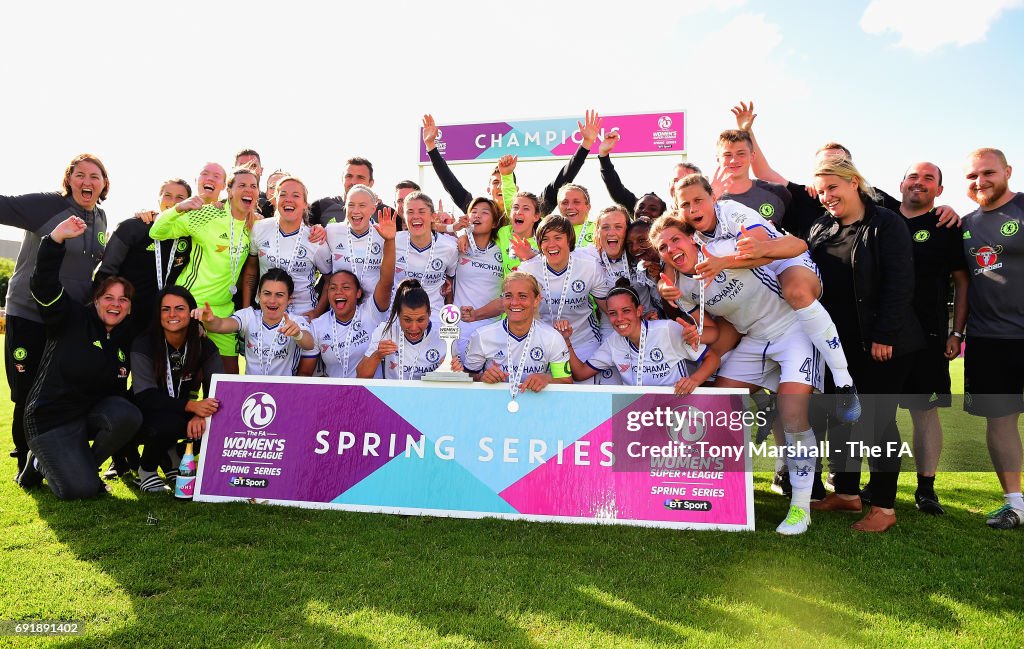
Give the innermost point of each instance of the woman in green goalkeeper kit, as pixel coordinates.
(220, 246)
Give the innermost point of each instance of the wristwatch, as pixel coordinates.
(958, 334)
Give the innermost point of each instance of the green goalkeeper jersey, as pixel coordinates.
(220, 246)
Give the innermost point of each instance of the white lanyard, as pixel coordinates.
(472, 241)
(265, 361)
(277, 249)
(161, 275)
(171, 392)
(516, 373)
(700, 293)
(352, 253)
(565, 288)
(401, 355)
(624, 259)
(353, 324)
(408, 260)
(231, 253)
(640, 354)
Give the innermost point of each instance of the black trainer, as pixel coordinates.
(781, 484)
(928, 503)
(29, 477)
(847, 404)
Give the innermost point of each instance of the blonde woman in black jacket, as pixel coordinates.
(864, 255)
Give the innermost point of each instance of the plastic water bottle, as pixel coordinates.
(186, 479)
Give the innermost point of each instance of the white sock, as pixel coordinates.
(818, 325)
(780, 464)
(801, 467)
(1015, 500)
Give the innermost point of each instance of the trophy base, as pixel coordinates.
(451, 377)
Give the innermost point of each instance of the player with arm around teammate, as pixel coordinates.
(773, 354)
(646, 352)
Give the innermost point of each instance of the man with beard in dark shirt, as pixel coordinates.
(994, 356)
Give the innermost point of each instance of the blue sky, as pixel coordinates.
(156, 90)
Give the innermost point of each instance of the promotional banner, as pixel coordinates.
(552, 139)
(596, 454)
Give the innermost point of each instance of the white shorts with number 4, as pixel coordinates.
(802, 260)
(790, 358)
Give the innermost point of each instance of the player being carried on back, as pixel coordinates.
(798, 278)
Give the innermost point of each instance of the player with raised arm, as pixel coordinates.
(407, 345)
(589, 130)
(79, 394)
(273, 341)
(650, 205)
(805, 209)
(515, 237)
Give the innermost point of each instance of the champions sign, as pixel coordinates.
(551, 139)
(601, 454)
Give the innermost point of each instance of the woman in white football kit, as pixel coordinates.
(568, 279)
(286, 242)
(774, 352)
(646, 352)
(478, 277)
(343, 333)
(407, 346)
(422, 254)
(611, 254)
(352, 244)
(519, 350)
(273, 341)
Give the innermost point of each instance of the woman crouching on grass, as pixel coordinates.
(646, 352)
(171, 362)
(273, 341)
(80, 390)
(519, 350)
